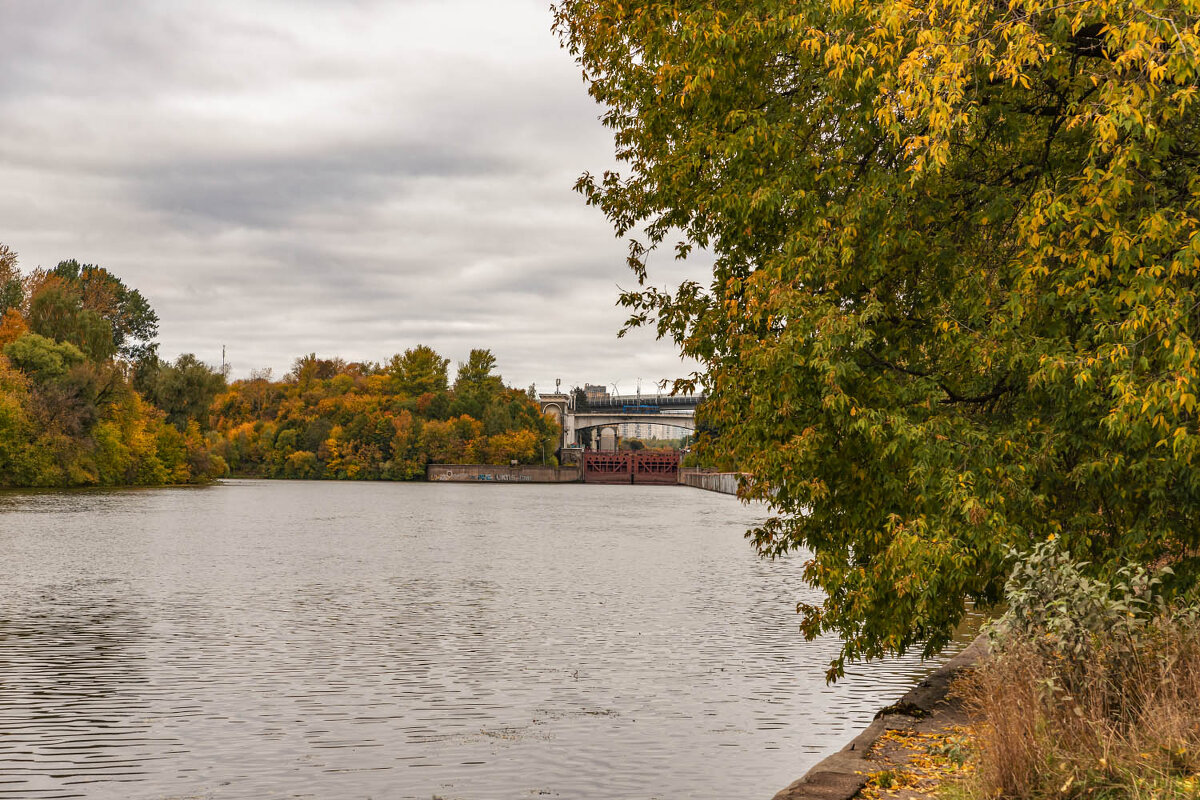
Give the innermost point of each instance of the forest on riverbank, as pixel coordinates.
(86, 400)
(331, 419)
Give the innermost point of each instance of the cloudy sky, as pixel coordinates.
(347, 178)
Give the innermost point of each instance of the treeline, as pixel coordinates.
(331, 419)
(85, 400)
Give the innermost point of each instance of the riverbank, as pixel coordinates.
(892, 752)
(1115, 718)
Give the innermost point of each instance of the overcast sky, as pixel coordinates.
(348, 178)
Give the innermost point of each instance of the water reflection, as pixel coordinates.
(353, 640)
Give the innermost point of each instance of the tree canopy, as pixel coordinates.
(69, 413)
(475, 385)
(955, 293)
(419, 370)
(184, 390)
(92, 308)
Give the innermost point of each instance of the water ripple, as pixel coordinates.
(286, 640)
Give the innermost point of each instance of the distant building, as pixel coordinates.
(594, 392)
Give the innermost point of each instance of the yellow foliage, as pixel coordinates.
(12, 327)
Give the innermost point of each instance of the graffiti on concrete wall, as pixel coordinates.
(475, 473)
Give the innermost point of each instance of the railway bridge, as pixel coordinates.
(580, 422)
(583, 423)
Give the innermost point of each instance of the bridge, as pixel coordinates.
(582, 423)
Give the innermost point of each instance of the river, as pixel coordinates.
(282, 639)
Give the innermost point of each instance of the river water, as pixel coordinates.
(373, 640)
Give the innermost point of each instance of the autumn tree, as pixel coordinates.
(56, 311)
(17, 433)
(420, 370)
(42, 358)
(185, 389)
(91, 308)
(475, 387)
(134, 323)
(309, 368)
(954, 295)
(12, 290)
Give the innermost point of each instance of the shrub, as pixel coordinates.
(1055, 605)
(1093, 688)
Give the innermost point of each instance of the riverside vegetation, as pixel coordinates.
(1092, 691)
(85, 400)
(948, 311)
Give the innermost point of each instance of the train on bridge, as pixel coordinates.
(628, 409)
(642, 404)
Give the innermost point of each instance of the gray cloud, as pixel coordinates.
(348, 178)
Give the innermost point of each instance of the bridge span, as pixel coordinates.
(611, 412)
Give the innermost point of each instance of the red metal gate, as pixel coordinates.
(625, 466)
(656, 467)
(606, 467)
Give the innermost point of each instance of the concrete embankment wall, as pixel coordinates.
(723, 482)
(490, 473)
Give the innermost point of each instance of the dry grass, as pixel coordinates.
(1122, 721)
